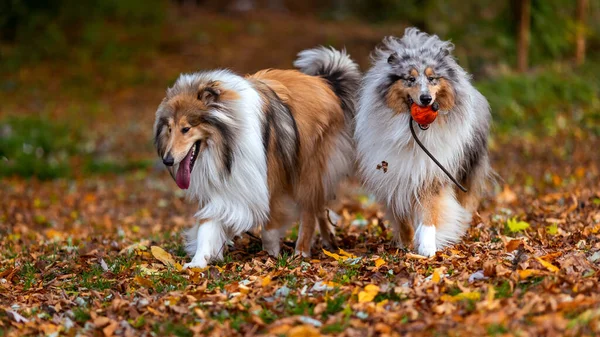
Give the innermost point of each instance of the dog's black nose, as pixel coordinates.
(168, 160)
(425, 99)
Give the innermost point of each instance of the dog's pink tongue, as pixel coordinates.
(183, 173)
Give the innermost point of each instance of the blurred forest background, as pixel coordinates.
(80, 80)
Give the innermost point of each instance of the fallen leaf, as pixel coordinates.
(552, 229)
(524, 274)
(164, 257)
(548, 265)
(517, 226)
(346, 254)
(435, 278)
(368, 293)
(333, 255)
(469, 295)
(379, 262)
(305, 330)
(513, 245)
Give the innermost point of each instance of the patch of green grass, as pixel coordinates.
(168, 281)
(81, 315)
(120, 263)
(284, 260)
(93, 279)
(291, 281)
(346, 274)
(453, 291)
(334, 304)
(138, 323)
(267, 316)
(503, 290)
(496, 329)
(295, 305)
(27, 275)
(336, 327)
(171, 328)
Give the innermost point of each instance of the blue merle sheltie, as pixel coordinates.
(423, 205)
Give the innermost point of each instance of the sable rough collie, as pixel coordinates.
(245, 146)
(422, 202)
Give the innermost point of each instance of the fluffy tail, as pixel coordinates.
(338, 69)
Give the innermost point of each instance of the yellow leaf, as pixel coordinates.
(517, 226)
(524, 274)
(148, 271)
(162, 256)
(469, 295)
(265, 281)
(548, 265)
(346, 254)
(304, 331)
(435, 278)
(368, 293)
(333, 255)
(491, 294)
(379, 262)
(552, 229)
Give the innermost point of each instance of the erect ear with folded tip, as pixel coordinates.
(209, 95)
(393, 59)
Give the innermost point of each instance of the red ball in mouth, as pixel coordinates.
(423, 115)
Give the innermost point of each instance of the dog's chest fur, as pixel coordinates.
(386, 137)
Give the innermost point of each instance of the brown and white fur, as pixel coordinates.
(423, 205)
(245, 146)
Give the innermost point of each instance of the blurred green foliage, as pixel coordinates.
(36, 147)
(559, 99)
(111, 30)
(47, 149)
(484, 31)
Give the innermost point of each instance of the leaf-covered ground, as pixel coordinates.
(101, 255)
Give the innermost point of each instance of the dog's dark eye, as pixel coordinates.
(411, 79)
(431, 79)
(185, 130)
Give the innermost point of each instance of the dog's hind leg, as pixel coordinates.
(306, 231)
(327, 232)
(274, 230)
(401, 227)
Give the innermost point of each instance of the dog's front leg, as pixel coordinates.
(205, 242)
(443, 222)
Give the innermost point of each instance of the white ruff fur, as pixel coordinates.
(384, 135)
(235, 204)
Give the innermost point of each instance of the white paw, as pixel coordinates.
(427, 249)
(196, 263)
(425, 240)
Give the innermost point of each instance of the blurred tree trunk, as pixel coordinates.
(524, 35)
(580, 31)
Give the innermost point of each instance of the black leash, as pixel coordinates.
(412, 130)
